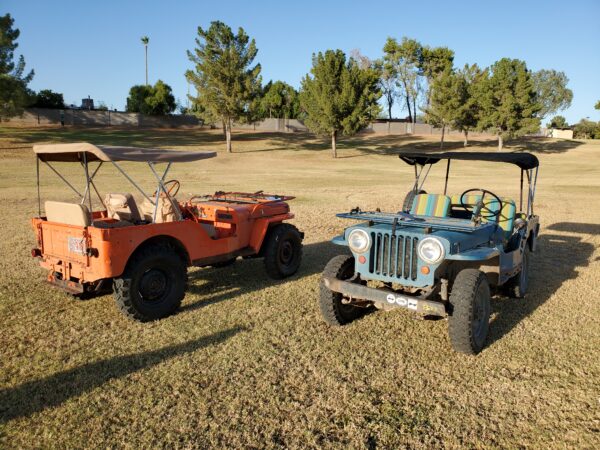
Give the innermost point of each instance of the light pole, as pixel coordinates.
(145, 40)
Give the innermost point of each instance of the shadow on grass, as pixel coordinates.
(362, 144)
(248, 275)
(556, 261)
(52, 391)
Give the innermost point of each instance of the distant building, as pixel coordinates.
(561, 133)
(87, 103)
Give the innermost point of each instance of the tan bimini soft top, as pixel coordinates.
(108, 153)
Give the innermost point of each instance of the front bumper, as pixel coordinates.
(385, 297)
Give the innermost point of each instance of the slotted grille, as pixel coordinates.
(393, 256)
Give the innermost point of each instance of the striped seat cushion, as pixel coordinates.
(433, 205)
(506, 218)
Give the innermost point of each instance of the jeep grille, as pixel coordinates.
(394, 256)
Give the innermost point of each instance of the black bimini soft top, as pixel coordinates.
(525, 161)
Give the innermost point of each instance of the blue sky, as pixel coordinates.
(83, 48)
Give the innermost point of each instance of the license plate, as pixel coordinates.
(77, 245)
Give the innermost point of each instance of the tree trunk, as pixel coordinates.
(443, 132)
(390, 110)
(466, 138)
(146, 65)
(414, 110)
(334, 143)
(228, 135)
(410, 117)
(500, 142)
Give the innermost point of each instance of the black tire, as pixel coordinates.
(335, 312)
(282, 251)
(153, 284)
(408, 200)
(517, 286)
(469, 323)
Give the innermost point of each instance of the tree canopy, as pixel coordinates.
(339, 96)
(448, 94)
(553, 95)
(154, 100)
(508, 100)
(46, 98)
(14, 94)
(558, 122)
(226, 80)
(466, 116)
(279, 100)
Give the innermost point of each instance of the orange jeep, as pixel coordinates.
(142, 251)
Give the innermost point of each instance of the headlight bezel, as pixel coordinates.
(365, 234)
(439, 243)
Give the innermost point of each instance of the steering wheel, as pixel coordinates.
(173, 188)
(482, 209)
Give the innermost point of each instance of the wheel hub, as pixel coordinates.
(153, 285)
(286, 252)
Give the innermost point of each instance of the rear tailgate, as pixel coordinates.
(65, 242)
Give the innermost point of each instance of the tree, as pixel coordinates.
(14, 94)
(597, 105)
(387, 84)
(145, 40)
(433, 62)
(586, 129)
(448, 93)
(467, 114)
(558, 122)
(507, 100)
(279, 100)
(154, 100)
(225, 78)
(339, 96)
(552, 92)
(46, 98)
(405, 58)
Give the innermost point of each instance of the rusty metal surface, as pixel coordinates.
(385, 297)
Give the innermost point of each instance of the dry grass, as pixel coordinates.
(248, 362)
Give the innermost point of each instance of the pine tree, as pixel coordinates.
(467, 114)
(446, 98)
(225, 78)
(507, 100)
(14, 94)
(339, 96)
(279, 100)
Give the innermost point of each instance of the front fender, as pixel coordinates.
(476, 254)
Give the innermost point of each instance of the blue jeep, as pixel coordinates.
(440, 256)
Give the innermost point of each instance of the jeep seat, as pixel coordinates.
(122, 207)
(505, 220)
(165, 212)
(67, 213)
(433, 205)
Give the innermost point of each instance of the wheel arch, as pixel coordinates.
(163, 239)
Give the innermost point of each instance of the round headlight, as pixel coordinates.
(359, 241)
(431, 250)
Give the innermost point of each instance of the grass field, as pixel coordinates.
(247, 362)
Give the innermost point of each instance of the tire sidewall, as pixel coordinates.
(174, 271)
(468, 284)
(279, 237)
